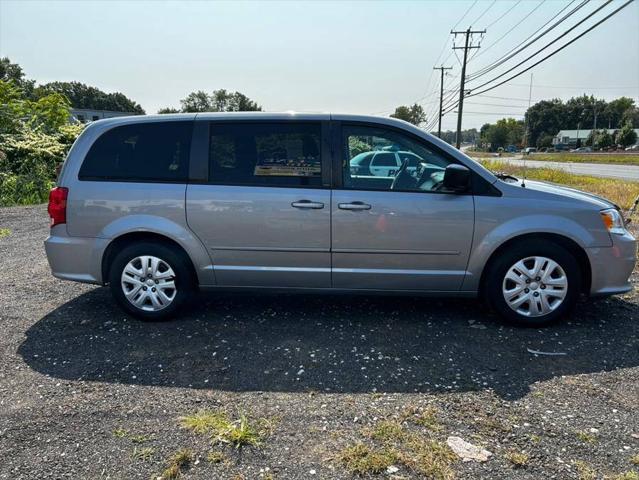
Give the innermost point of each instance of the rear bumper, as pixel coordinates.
(74, 258)
(611, 267)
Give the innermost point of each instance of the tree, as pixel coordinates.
(544, 140)
(615, 110)
(626, 136)
(85, 96)
(12, 72)
(504, 132)
(414, 114)
(604, 139)
(50, 112)
(545, 116)
(168, 110)
(218, 101)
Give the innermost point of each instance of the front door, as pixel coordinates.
(401, 232)
(265, 213)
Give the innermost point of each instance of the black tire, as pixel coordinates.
(175, 259)
(500, 265)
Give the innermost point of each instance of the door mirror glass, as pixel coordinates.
(456, 178)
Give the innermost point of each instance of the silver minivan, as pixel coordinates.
(160, 206)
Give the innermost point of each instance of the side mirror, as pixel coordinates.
(456, 178)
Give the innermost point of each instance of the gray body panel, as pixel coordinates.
(406, 241)
(257, 238)
(251, 237)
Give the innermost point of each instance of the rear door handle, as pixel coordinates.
(307, 204)
(354, 206)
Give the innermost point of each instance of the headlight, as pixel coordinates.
(613, 220)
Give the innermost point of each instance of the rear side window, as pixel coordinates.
(142, 152)
(266, 154)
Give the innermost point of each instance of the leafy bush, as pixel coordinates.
(23, 189)
(34, 139)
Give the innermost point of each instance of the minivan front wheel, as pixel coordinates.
(534, 283)
(150, 281)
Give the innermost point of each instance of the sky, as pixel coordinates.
(353, 57)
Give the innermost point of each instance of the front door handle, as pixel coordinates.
(307, 204)
(354, 206)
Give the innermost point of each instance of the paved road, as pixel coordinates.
(627, 172)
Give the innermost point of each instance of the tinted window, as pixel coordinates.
(140, 152)
(276, 154)
(424, 169)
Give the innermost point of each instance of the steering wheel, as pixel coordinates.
(402, 177)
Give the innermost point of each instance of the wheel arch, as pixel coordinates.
(144, 236)
(569, 244)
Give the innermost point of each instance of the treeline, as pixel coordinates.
(547, 117)
(77, 94)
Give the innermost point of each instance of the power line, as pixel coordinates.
(513, 27)
(495, 113)
(464, 15)
(519, 48)
(556, 51)
(482, 14)
(503, 15)
(496, 105)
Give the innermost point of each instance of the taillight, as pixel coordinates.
(58, 205)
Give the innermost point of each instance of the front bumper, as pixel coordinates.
(75, 258)
(611, 267)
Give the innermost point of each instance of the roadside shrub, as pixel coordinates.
(23, 189)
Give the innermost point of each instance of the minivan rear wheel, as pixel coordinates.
(150, 281)
(534, 283)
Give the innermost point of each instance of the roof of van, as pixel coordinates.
(252, 116)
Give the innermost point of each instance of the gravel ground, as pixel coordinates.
(84, 388)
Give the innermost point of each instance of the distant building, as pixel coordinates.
(569, 137)
(84, 115)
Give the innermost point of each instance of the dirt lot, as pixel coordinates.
(86, 392)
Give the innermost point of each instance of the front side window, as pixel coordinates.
(265, 154)
(398, 162)
(140, 152)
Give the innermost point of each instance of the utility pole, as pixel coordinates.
(441, 97)
(466, 47)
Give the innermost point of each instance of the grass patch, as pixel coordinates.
(517, 459)
(120, 432)
(216, 457)
(620, 159)
(585, 471)
(360, 459)
(630, 475)
(240, 432)
(635, 459)
(426, 417)
(139, 438)
(586, 437)
(142, 454)
(388, 431)
(176, 463)
(421, 454)
(621, 192)
(4, 232)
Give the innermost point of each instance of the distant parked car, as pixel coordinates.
(529, 150)
(383, 163)
(581, 150)
(511, 149)
(632, 148)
